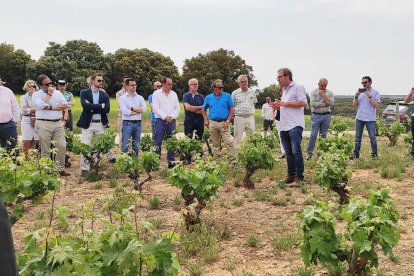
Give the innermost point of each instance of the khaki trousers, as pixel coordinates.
(221, 137)
(87, 135)
(52, 132)
(242, 124)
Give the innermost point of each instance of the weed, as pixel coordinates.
(113, 182)
(286, 241)
(230, 264)
(154, 203)
(288, 192)
(199, 240)
(97, 186)
(223, 203)
(252, 241)
(303, 189)
(225, 233)
(238, 201)
(195, 269)
(247, 273)
(157, 222)
(163, 173)
(279, 201)
(305, 271)
(177, 201)
(281, 184)
(262, 195)
(210, 254)
(40, 215)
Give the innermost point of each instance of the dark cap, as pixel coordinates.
(61, 82)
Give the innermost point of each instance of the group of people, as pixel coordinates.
(46, 111)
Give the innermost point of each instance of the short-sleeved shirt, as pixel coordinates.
(219, 107)
(152, 113)
(195, 100)
(127, 101)
(57, 98)
(69, 97)
(244, 102)
(291, 117)
(366, 111)
(316, 99)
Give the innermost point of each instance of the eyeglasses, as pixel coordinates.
(364, 82)
(158, 86)
(132, 85)
(243, 81)
(194, 84)
(47, 84)
(219, 87)
(100, 80)
(32, 86)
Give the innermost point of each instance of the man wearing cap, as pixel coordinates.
(321, 100)
(244, 104)
(132, 106)
(67, 116)
(93, 119)
(156, 85)
(49, 104)
(9, 116)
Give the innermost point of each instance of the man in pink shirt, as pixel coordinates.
(292, 124)
(9, 116)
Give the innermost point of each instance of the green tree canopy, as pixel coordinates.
(271, 91)
(219, 64)
(143, 65)
(13, 66)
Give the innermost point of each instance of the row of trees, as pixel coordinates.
(76, 60)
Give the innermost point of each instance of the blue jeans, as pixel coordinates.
(194, 124)
(320, 124)
(162, 131)
(8, 135)
(291, 140)
(131, 130)
(359, 128)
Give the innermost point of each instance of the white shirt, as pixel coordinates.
(267, 112)
(164, 104)
(127, 101)
(291, 117)
(57, 98)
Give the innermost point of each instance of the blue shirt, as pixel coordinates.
(219, 107)
(95, 96)
(196, 100)
(152, 113)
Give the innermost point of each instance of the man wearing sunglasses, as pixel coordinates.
(9, 116)
(220, 107)
(244, 105)
(50, 104)
(366, 102)
(94, 119)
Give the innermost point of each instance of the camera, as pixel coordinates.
(361, 90)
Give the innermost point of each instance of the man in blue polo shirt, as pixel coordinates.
(221, 112)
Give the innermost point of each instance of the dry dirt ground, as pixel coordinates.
(267, 220)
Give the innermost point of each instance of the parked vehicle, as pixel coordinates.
(405, 111)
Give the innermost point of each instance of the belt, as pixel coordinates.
(26, 115)
(245, 116)
(218, 120)
(6, 122)
(323, 113)
(133, 121)
(95, 121)
(48, 120)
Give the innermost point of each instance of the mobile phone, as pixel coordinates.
(361, 90)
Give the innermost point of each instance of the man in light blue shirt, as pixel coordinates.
(131, 106)
(366, 102)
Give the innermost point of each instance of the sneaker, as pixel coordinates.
(289, 179)
(64, 173)
(171, 165)
(309, 156)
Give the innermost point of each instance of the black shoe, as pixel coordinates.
(353, 157)
(171, 165)
(64, 173)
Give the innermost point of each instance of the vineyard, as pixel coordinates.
(205, 217)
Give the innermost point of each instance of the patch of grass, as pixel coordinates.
(195, 269)
(154, 203)
(210, 254)
(225, 233)
(157, 222)
(281, 184)
(238, 201)
(113, 183)
(286, 241)
(201, 241)
(280, 201)
(93, 176)
(247, 273)
(209, 205)
(305, 271)
(223, 203)
(40, 215)
(231, 264)
(252, 241)
(262, 195)
(404, 215)
(177, 201)
(163, 173)
(303, 189)
(97, 186)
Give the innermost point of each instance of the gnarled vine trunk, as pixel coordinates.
(247, 182)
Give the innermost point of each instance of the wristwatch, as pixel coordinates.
(50, 94)
(50, 107)
(132, 109)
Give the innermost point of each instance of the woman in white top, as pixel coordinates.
(29, 135)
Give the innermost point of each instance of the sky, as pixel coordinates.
(341, 40)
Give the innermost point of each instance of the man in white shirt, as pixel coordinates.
(166, 109)
(49, 104)
(292, 124)
(131, 106)
(268, 114)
